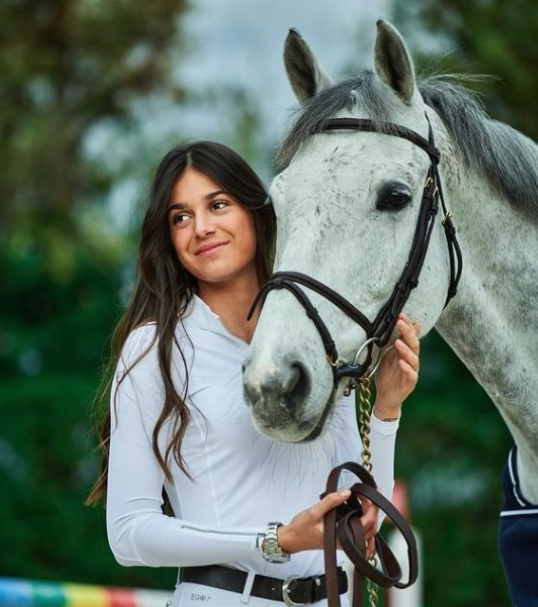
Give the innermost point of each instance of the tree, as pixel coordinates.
(69, 68)
(492, 38)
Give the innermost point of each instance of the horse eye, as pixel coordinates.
(393, 199)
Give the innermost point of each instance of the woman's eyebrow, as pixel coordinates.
(179, 206)
(213, 194)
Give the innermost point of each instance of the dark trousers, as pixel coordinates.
(518, 539)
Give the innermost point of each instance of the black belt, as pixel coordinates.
(293, 591)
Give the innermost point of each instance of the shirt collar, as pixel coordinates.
(203, 317)
(201, 314)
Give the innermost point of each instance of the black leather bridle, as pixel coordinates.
(378, 331)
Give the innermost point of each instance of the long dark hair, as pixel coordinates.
(164, 289)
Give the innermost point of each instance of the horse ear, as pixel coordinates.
(392, 61)
(305, 74)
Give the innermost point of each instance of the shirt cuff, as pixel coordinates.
(384, 428)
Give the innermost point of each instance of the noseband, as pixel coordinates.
(379, 330)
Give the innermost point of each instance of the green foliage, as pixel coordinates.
(52, 339)
(68, 66)
(45, 471)
(494, 38)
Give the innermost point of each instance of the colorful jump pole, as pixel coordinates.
(16, 592)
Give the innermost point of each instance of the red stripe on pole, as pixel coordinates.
(121, 597)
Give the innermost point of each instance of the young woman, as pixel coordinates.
(247, 515)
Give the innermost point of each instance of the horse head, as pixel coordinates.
(347, 205)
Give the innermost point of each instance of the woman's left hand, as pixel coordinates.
(397, 374)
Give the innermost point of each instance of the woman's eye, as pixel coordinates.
(393, 199)
(219, 204)
(179, 218)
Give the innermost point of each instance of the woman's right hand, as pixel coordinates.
(305, 530)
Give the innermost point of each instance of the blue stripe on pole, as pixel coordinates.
(35, 593)
(15, 593)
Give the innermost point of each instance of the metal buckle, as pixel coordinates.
(428, 183)
(380, 354)
(333, 363)
(365, 345)
(372, 369)
(286, 591)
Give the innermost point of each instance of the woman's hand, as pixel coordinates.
(397, 374)
(305, 530)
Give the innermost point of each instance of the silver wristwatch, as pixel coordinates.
(271, 551)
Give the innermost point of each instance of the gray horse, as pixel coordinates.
(347, 205)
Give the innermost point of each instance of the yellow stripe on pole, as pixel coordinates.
(80, 595)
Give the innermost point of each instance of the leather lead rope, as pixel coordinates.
(343, 524)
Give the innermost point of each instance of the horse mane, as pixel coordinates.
(363, 88)
(507, 158)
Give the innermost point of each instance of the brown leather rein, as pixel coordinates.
(343, 524)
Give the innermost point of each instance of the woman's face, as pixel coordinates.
(213, 235)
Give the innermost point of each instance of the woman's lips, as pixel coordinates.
(209, 249)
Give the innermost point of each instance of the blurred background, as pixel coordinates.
(92, 94)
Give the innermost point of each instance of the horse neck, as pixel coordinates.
(493, 321)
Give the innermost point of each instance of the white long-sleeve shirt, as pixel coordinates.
(241, 480)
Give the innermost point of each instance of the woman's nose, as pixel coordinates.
(204, 225)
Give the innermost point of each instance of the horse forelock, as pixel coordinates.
(364, 89)
(508, 159)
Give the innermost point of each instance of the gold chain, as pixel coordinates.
(371, 588)
(365, 413)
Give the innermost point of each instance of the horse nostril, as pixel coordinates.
(295, 387)
(285, 386)
(294, 377)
